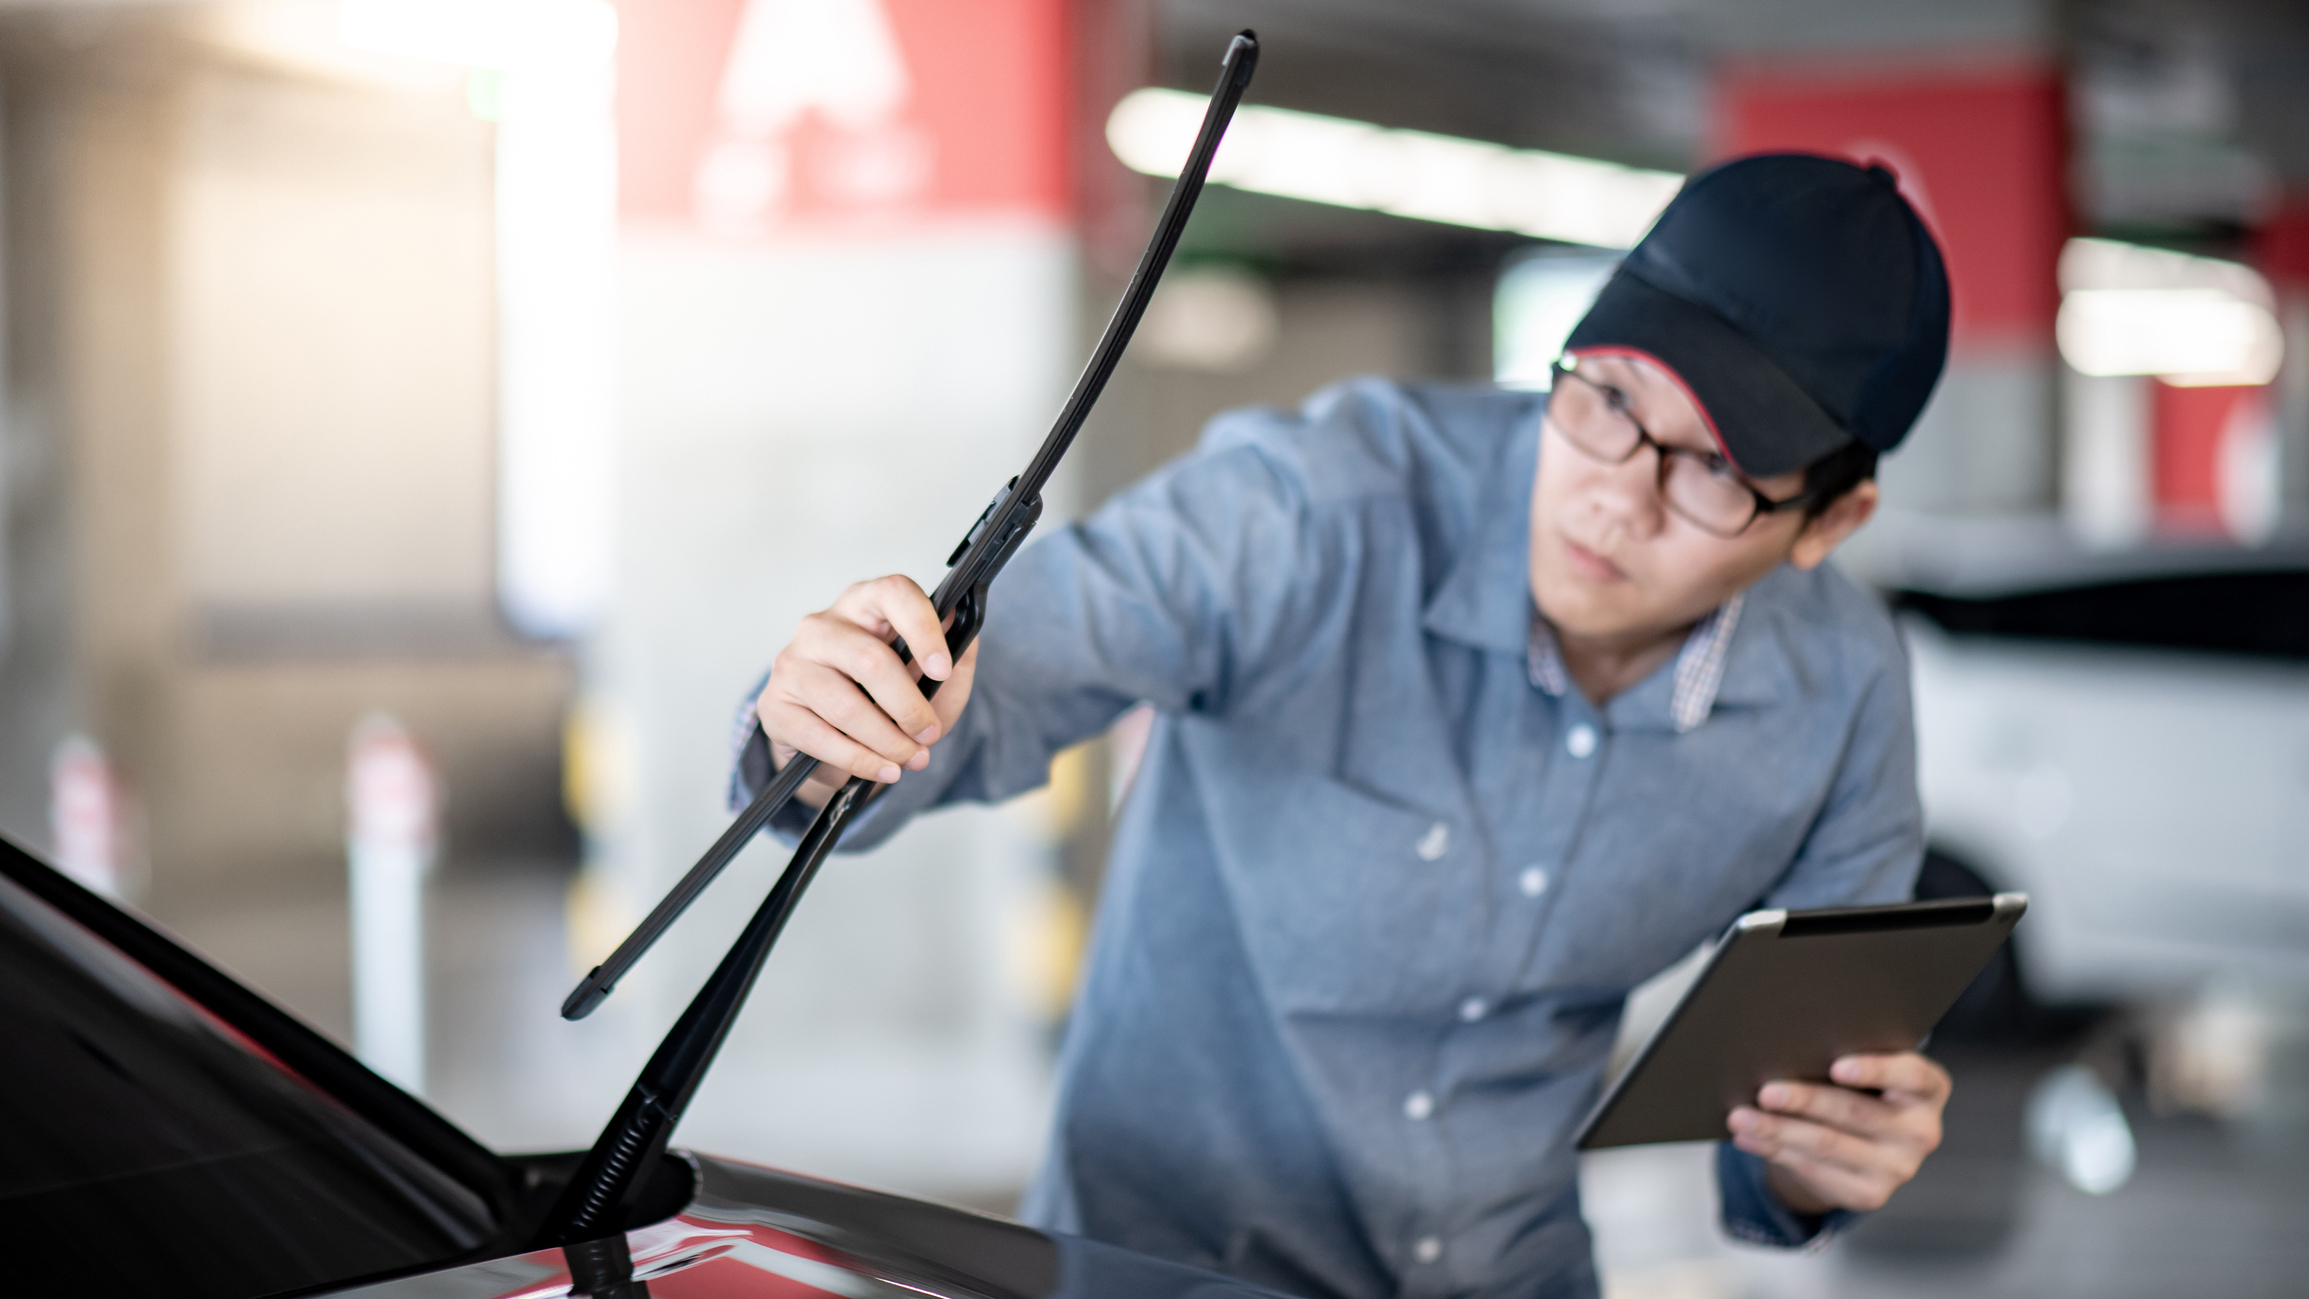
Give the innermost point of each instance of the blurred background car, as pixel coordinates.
(2126, 737)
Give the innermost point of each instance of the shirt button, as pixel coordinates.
(1473, 1009)
(1417, 1106)
(1533, 882)
(1433, 844)
(1581, 741)
(1427, 1249)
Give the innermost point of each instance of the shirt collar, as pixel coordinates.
(1485, 599)
(1699, 672)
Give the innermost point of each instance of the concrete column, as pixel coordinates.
(392, 803)
(848, 292)
(2106, 488)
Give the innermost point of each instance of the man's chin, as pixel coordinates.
(1575, 612)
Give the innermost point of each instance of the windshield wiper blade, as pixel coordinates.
(591, 1207)
(989, 544)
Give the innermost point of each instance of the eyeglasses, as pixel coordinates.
(1702, 487)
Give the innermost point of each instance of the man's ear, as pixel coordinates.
(1827, 530)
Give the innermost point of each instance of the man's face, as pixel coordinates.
(1609, 561)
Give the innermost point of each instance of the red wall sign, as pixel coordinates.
(738, 117)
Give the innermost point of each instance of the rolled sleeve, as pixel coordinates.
(1184, 592)
(1754, 1215)
(751, 768)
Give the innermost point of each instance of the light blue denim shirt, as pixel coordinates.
(1378, 894)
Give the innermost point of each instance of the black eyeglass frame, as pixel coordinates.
(1617, 401)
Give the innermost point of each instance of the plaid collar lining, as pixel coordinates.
(1699, 665)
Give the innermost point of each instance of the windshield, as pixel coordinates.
(2263, 614)
(148, 1149)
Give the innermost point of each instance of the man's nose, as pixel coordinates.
(1629, 492)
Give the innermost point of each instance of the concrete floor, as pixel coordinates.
(2211, 1209)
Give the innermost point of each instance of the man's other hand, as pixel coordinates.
(839, 693)
(1848, 1146)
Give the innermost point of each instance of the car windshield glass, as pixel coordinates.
(148, 1149)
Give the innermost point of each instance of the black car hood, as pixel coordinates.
(117, 991)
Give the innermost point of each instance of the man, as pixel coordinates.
(1476, 710)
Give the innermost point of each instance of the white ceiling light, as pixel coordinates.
(2191, 321)
(1406, 173)
(2109, 264)
(2184, 336)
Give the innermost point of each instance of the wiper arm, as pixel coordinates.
(989, 544)
(636, 1136)
(591, 1207)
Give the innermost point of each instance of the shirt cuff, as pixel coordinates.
(1755, 1215)
(750, 769)
(749, 773)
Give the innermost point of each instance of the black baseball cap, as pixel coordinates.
(1799, 298)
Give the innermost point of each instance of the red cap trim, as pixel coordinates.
(1638, 354)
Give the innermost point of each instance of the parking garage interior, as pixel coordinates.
(490, 389)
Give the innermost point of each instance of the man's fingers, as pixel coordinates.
(899, 604)
(836, 699)
(1842, 1144)
(876, 669)
(1772, 1136)
(831, 699)
(1837, 1184)
(811, 734)
(834, 643)
(956, 692)
(1836, 1106)
(839, 692)
(1907, 1073)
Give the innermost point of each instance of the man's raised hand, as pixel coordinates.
(1841, 1147)
(839, 693)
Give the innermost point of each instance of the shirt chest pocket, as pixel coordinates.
(1349, 903)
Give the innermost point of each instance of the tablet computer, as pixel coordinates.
(1786, 993)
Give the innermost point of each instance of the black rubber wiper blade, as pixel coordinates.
(989, 544)
(587, 1220)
